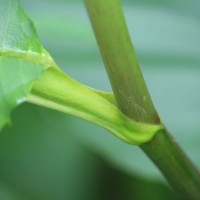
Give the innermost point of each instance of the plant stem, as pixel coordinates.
(174, 164)
(120, 60)
(58, 91)
(132, 95)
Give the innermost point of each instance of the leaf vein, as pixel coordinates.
(7, 24)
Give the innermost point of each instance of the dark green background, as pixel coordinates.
(45, 155)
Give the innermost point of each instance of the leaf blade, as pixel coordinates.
(22, 57)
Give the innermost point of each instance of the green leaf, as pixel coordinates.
(16, 80)
(17, 33)
(22, 60)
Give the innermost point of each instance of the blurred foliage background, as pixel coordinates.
(46, 155)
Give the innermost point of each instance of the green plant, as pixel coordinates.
(56, 90)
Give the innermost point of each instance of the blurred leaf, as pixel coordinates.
(6, 193)
(40, 159)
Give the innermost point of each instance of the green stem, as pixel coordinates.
(58, 91)
(176, 167)
(132, 95)
(120, 60)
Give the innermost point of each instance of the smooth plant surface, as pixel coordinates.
(132, 95)
(22, 58)
(170, 66)
(152, 78)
